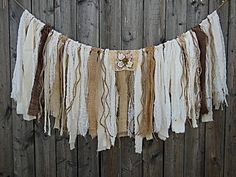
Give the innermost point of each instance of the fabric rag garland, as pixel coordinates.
(109, 93)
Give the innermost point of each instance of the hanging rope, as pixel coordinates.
(222, 4)
(19, 4)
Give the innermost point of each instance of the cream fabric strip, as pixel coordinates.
(18, 72)
(104, 115)
(138, 107)
(29, 64)
(50, 57)
(165, 63)
(112, 98)
(83, 123)
(193, 67)
(73, 81)
(216, 52)
(177, 88)
(72, 124)
(158, 88)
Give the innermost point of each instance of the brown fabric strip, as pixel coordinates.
(94, 84)
(64, 115)
(202, 41)
(185, 77)
(34, 106)
(148, 70)
(122, 88)
(130, 81)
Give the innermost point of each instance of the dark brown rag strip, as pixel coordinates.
(148, 70)
(34, 106)
(202, 41)
(94, 84)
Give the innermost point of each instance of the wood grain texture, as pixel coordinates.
(88, 22)
(154, 22)
(6, 154)
(230, 130)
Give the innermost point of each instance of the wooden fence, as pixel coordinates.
(209, 151)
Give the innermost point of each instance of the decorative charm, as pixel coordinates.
(124, 60)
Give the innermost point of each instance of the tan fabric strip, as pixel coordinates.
(122, 88)
(202, 41)
(34, 106)
(94, 84)
(185, 77)
(148, 69)
(56, 98)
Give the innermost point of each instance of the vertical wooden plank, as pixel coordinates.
(214, 150)
(65, 22)
(88, 33)
(65, 17)
(132, 24)
(88, 22)
(6, 153)
(154, 33)
(110, 37)
(45, 156)
(195, 138)
(176, 12)
(132, 38)
(154, 22)
(23, 131)
(110, 24)
(230, 131)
